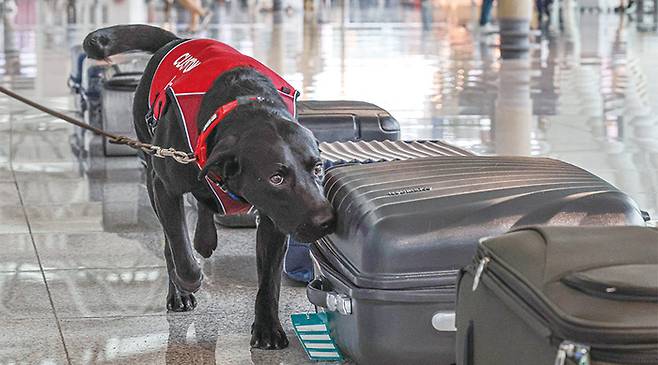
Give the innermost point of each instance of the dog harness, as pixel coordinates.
(182, 78)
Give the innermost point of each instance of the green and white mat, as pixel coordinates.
(312, 331)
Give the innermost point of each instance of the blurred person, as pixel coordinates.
(485, 16)
(544, 12)
(199, 16)
(625, 7)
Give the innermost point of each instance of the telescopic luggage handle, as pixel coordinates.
(320, 294)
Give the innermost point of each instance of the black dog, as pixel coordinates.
(260, 153)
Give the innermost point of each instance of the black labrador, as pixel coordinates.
(260, 156)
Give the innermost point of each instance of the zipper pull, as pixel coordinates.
(574, 351)
(478, 273)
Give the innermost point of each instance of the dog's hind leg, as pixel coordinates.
(266, 332)
(205, 233)
(185, 275)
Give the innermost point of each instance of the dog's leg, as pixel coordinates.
(185, 275)
(177, 300)
(205, 234)
(266, 332)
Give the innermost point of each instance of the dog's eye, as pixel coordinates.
(276, 179)
(318, 170)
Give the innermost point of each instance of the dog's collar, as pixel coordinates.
(216, 180)
(201, 151)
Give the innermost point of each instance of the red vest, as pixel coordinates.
(183, 77)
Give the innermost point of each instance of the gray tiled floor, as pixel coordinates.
(82, 278)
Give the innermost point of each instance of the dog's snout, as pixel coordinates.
(324, 219)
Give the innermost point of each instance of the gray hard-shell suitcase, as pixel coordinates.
(297, 264)
(347, 120)
(561, 295)
(405, 228)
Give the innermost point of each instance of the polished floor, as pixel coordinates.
(82, 277)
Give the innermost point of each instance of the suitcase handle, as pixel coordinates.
(320, 294)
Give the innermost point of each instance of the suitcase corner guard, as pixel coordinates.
(321, 295)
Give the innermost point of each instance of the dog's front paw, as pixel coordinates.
(178, 302)
(205, 248)
(269, 337)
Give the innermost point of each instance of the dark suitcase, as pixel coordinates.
(387, 275)
(105, 99)
(560, 295)
(347, 120)
(75, 76)
(88, 100)
(297, 264)
(117, 102)
(91, 85)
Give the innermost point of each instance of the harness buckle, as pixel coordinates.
(150, 120)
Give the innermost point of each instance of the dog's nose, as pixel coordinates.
(324, 220)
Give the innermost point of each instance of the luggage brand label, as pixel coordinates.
(186, 62)
(409, 191)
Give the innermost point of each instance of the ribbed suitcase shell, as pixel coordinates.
(596, 287)
(297, 263)
(405, 228)
(340, 153)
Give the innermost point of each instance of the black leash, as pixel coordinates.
(157, 151)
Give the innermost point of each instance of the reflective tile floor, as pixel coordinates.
(82, 277)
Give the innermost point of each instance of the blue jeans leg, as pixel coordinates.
(485, 11)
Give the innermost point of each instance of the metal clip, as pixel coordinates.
(478, 273)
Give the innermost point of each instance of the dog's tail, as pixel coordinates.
(105, 42)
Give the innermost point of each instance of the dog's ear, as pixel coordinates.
(223, 157)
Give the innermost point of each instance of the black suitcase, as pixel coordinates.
(387, 276)
(105, 97)
(561, 295)
(347, 120)
(117, 109)
(75, 76)
(91, 84)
